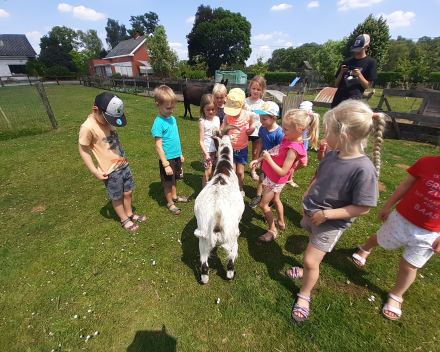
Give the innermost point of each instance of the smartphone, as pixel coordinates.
(351, 67)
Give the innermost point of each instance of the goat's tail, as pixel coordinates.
(216, 224)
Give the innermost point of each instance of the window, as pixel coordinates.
(17, 69)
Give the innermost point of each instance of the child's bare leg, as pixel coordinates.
(170, 193)
(310, 274)
(119, 207)
(239, 170)
(254, 157)
(279, 208)
(405, 277)
(264, 205)
(206, 177)
(368, 246)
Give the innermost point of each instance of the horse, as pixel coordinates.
(193, 95)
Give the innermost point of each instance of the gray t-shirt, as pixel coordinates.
(342, 182)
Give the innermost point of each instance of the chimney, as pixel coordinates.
(136, 35)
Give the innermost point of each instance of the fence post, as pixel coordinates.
(42, 93)
(134, 80)
(56, 77)
(123, 84)
(1, 82)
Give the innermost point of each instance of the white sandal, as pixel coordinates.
(357, 257)
(392, 309)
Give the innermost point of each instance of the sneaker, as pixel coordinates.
(254, 202)
(271, 204)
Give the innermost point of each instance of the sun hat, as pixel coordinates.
(269, 108)
(306, 105)
(112, 107)
(234, 102)
(361, 42)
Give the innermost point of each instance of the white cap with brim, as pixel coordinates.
(112, 107)
(269, 108)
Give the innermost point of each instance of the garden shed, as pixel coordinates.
(15, 51)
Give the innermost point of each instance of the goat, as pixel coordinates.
(193, 95)
(368, 95)
(219, 207)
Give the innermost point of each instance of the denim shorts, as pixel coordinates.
(119, 182)
(241, 156)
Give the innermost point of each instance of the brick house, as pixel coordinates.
(129, 57)
(15, 51)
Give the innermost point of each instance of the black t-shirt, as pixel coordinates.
(349, 87)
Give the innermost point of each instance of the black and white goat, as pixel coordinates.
(219, 207)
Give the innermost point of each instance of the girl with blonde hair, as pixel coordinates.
(345, 187)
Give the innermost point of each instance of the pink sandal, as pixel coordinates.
(396, 311)
(269, 236)
(357, 257)
(293, 273)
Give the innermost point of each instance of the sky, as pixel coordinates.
(275, 24)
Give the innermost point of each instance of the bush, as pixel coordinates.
(434, 77)
(384, 77)
(57, 71)
(276, 77)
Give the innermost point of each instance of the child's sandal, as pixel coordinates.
(357, 258)
(293, 273)
(182, 200)
(132, 228)
(269, 236)
(396, 311)
(301, 310)
(281, 227)
(140, 218)
(175, 210)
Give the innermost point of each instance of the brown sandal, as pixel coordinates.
(269, 236)
(175, 210)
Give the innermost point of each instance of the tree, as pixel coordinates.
(143, 24)
(260, 68)
(162, 58)
(328, 59)
(431, 48)
(90, 41)
(56, 46)
(379, 32)
(80, 59)
(220, 36)
(415, 68)
(116, 33)
(288, 59)
(398, 49)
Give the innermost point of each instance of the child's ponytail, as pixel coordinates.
(378, 129)
(313, 132)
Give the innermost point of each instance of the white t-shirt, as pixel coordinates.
(209, 126)
(254, 106)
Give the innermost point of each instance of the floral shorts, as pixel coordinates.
(274, 187)
(208, 164)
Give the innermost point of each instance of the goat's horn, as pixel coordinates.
(215, 132)
(227, 128)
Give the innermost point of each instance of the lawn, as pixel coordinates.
(68, 270)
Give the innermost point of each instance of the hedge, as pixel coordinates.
(276, 77)
(384, 77)
(434, 77)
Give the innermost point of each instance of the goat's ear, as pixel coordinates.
(221, 82)
(226, 82)
(215, 133)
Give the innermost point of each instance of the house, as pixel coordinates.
(15, 51)
(129, 57)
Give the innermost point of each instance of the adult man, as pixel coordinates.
(355, 73)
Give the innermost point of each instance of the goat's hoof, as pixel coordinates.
(204, 279)
(230, 274)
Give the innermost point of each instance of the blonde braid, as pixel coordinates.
(379, 124)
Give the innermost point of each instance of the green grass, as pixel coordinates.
(63, 252)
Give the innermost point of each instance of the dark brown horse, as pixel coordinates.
(193, 95)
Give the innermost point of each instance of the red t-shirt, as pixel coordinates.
(421, 204)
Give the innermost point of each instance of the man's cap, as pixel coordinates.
(306, 105)
(361, 42)
(269, 108)
(112, 107)
(234, 102)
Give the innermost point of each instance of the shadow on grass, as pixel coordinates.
(191, 254)
(187, 118)
(108, 212)
(152, 341)
(197, 166)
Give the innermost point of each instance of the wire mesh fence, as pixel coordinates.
(24, 110)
